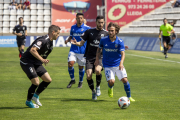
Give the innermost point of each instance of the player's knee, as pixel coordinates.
(36, 83)
(111, 82)
(124, 80)
(98, 72)
(89, 77)
(70, 65)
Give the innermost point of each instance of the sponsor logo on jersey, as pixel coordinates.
(77, 34)
(76, 7)
(92, 34)
(111, 50)
(31, 70)
(96, 41)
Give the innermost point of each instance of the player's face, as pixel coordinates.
(21, 21)
(112, 32)
(80, 19)
(55, 34)
(165, 21)
(100, 24)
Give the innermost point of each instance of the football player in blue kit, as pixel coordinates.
(113, 49)
(76, 53)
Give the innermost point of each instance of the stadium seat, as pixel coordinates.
(40, 1)
(47, 24)
(13, 24)
(1, 6)
(20, 12)
(0, 30)
(0, 24)
(1, 12)
(26, 12)
(40, 24)
(33, 18)
(1, 18)
(40, 30)
(33, 12)
(28, 30)
(47, 12)
(13, 12)
(47, 1)
(47, 6)
(11, 29)
(6, 6)
(33, 6)
(5, 30)
(12, 18)
(5, 18)
(7, 1)
(33, 30)
(40, 18)
(39, 6)
(33, 1)
(46, 30)
(27, 18)
(1, 1)
(27, 24)
(40, 12)
(33, 24)
(47, 18)
(5, 24)
(6, 12)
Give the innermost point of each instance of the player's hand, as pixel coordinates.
(121, 67)
(168, 32)
(160, 39)
(73, 41)
(19, 34)
(96, 63)
(45, 61)
(66, 41)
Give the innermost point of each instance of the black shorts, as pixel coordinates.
(90, 64)
(166, 39)
(21, 41)
(33, 71)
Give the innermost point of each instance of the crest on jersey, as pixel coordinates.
(77, 7)
(23, 28)
(31, 70)
(116, 45)
(102, 35)
(82, 29)
(39, 43)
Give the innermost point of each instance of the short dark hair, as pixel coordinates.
(53, 28)
(79, 14)
(117, 27)
(164, 19)
(99, 17)
(20, 18)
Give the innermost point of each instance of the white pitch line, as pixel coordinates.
(152, 58)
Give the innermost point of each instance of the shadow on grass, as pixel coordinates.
(55, 88)
(72, 99)
(13, 107)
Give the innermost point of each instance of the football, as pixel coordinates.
(123, 102)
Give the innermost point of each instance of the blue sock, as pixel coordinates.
(127, 89)
(71, 73)
(81, 74)
(110, 86)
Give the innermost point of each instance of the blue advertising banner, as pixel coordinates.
(8, 41)
(146, 43)
(176, 47)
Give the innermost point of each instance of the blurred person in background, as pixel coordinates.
(20, 5)
(13, 5)
(173, 36)
(27, 5)
(175, 3)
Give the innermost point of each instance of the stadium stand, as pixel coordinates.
(151, 23)
(37, 19)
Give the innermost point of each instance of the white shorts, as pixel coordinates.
(79, 58)
(110, 73)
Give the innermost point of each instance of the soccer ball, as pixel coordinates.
(123, 102)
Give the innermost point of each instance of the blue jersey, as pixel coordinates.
(111, 51)
(76, 32)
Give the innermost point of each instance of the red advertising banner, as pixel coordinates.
(125, 11)
(64, 12)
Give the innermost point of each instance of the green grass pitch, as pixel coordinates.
(155, 85)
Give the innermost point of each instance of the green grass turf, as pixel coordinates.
(154, 86)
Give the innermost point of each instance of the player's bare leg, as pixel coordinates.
(71, 73)
(81, 75)
(31, 91)
(127, 88)
(91, 83)
(98, 79)
(42, 86)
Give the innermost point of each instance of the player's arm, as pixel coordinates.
(14, 32)
(68, 39)
(122, 60)
(160, 34)
(74, 42)
(34, 52)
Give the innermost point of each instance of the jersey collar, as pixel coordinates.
(81, 25)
